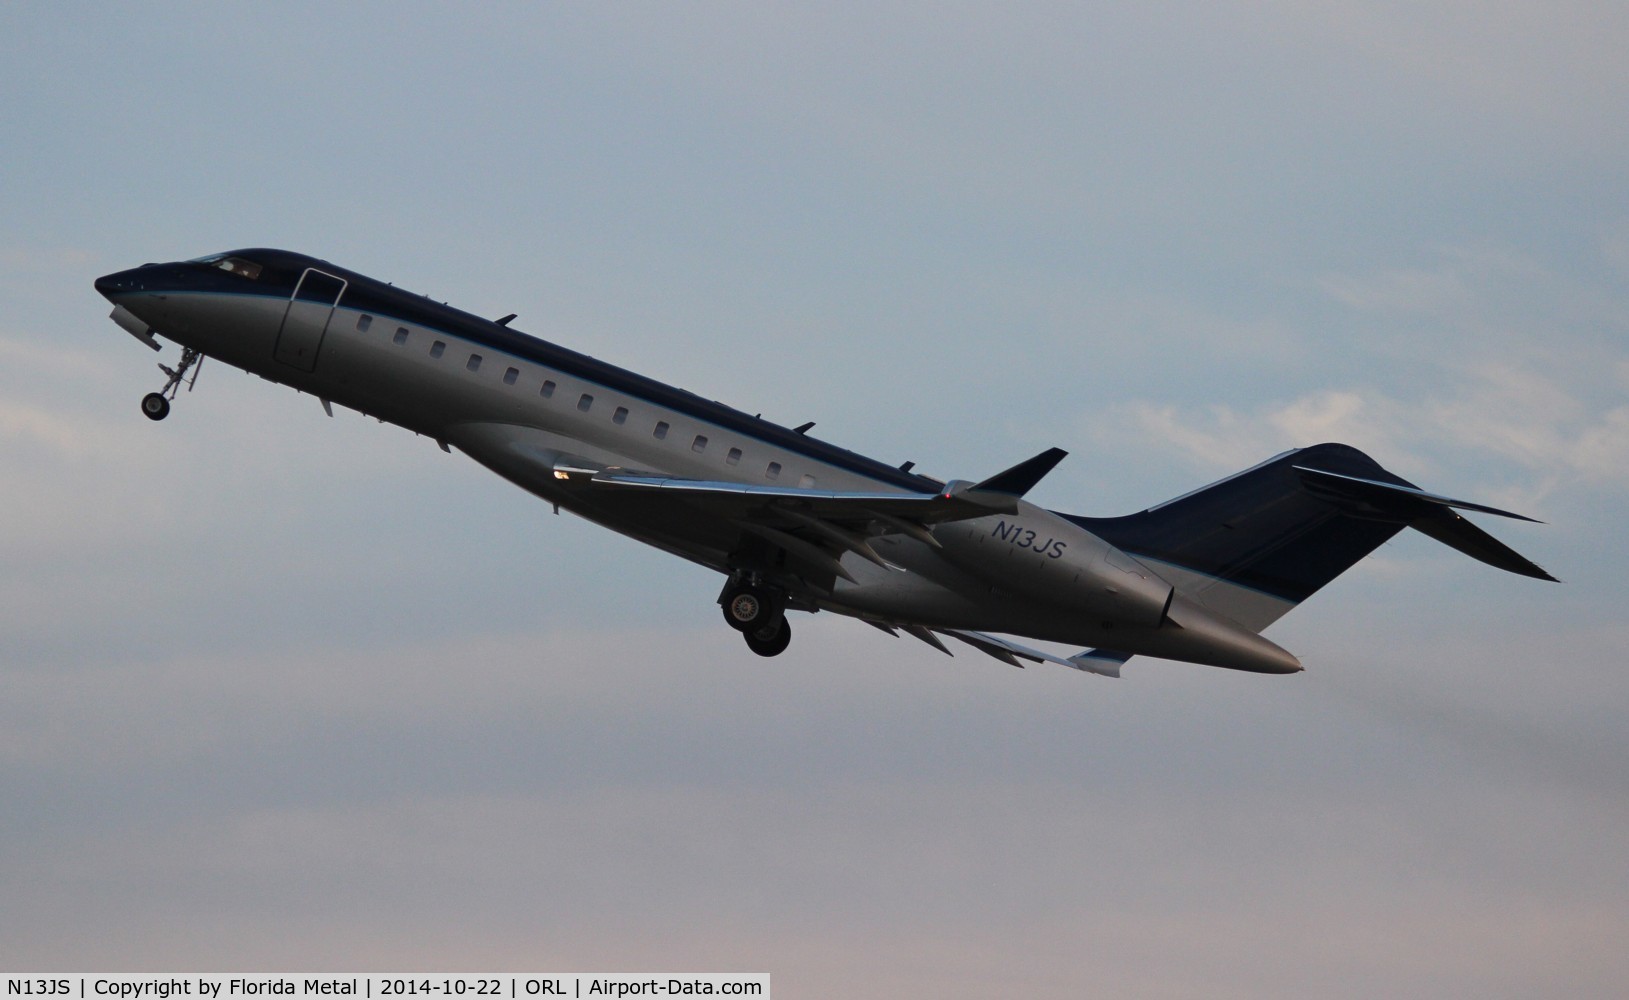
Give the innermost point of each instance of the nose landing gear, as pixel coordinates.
(156, 405)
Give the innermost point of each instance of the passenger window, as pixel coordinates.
(733, 457)
(437, 349)
(474, 363)
(661, 430)
(547, 390)
(699, 444)
(509, 375)
(585, 402)
(806, 482)
(620, 416)
(401, 335)
(774, 471)
(363, 322)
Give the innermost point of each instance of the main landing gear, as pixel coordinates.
(771, 640)
(758, 613)
(156, 405)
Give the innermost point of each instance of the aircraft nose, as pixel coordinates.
(110, 285)
(135, 279)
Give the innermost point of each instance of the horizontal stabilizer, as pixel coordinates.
(1427, 513)
(1021, 478)
(1390, 495)
(1454, 531)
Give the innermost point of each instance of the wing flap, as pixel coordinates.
(738, 498)
(1006, 650)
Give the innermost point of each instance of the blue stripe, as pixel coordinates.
(282, 269)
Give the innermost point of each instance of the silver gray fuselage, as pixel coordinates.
(418, 364)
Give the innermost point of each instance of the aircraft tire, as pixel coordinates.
(748, 608)
(154, 406)
(775, 644)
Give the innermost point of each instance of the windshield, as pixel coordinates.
(240, 266)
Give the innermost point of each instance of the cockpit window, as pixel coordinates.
(236, 265)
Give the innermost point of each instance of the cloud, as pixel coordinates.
(1526, 420)
(1491, 301)
(44, 260)
(1484, 355)
(23, 426)
(1548, 69)
(1222, 438)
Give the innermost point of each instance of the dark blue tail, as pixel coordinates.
(1292, 524)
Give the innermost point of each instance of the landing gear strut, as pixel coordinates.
(156, 405)
(757, 613)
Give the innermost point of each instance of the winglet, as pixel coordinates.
(1021, 478)
(1105, 662)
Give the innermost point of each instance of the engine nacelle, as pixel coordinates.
(1040, 555)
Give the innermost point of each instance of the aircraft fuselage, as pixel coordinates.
(794, 522)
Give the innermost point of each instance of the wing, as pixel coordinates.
(834, 506)
(1104, 662)
(814, 527)
(796, 535)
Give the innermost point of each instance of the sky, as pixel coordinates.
(285, 692)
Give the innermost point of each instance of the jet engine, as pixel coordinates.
(1035, 553)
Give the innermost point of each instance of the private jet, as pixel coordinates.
(793, 523)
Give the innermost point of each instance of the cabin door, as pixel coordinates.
(307, 317)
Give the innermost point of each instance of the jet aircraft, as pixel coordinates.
(795, 524)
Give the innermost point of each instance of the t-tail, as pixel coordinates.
(1256, 544)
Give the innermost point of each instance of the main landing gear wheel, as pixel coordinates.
(779, 637)
(154, 406)
(748, 608)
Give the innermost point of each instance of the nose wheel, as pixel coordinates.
(156, 405)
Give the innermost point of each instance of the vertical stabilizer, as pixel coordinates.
(1256, 544)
